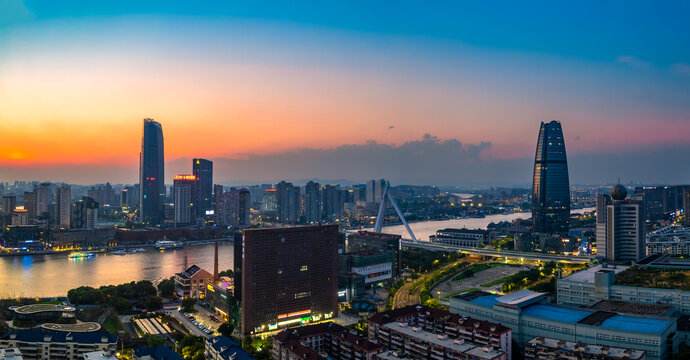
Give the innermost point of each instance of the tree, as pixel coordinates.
(188, 304)
(153, 303)
(228, 273)
(154, 340)
(226, 329)
(121, 306)
(166, 288)
(85, 295)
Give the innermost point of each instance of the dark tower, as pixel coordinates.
(550, 185)
(151, 174)
(203, 170)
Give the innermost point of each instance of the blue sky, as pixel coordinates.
(344, 74)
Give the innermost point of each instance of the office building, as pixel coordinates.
(620, 226)
(84, 214)
(460, 237)
(364, 240)
(30, 204)
(63, 204)
(288, 201)
(38, 345)
(444, 323)
(312, 202)
(333, 201)
(289, 276)
(550, 184)
(529, 315)
(184, 195)
(203, 170)
(327, 340)
(547, 348)
(224, 348)
(129, 197)
(151, 174)
(233, 208)
(375, 190)
(44, 197)
(104, 194)
(9, 203)
(192, 282)
(662, 202)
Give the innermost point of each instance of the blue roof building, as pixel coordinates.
(530, 316)
(224, 348)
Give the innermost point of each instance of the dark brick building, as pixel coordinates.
(289, 276)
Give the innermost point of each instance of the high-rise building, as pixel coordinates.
(662, 202)
(104, 194)
(44, 197)
(85, 214)
(63, 204)
(129, 197)
(288, 199)
(289, 276)
(269, 203)
(333, 200)
(203, 170)
(550, 185)
(375, 190)
(620, 224)
(233, 208)
(151, 174)
(184, 195)
(30, 204)
(686, 207)
(8, 204)
(312, 202)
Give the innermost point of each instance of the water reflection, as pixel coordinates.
(54, 275)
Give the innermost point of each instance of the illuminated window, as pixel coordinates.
(304, 268)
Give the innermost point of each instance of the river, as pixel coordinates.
(423, 229)
(54, 275)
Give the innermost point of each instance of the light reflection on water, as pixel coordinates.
(54, 275)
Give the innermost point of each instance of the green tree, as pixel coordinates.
(85, 295)
(228, 273)
(226, 329)
(188, 304)
(166, 288)
(153, 303)
(154, 340)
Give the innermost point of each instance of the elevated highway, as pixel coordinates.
(517, 255)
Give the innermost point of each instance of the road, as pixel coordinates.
(185, 322)
(403, 297)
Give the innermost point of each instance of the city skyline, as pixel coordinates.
(384, 98)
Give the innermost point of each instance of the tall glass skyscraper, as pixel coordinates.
(203, 170)
(151, 174)
(550, 185)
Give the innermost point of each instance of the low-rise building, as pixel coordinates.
(460, 237)
(442, 322)
(45, 345)
(99, 355)
(530, 316)
(415, 343)
(224, 348)
(192, 282)
(10, 354)
(326, 339)
(672, 240)
(220, 296)
(598, 283)
(547, 348)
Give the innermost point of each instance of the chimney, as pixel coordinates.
(215, 264)
(184, 264)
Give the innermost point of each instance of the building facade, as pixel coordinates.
(63, 203)
(289, 276)
(529, 316)
(193, 282)
(671, 240)
(326, 340)
(312, 202)
(184, 197)
(84, 214)
(620, 224)
(203, 170)
(550, 183)
(234, 208)
(288, 202)
(547, 348)
(46, 345)
(151, 174)
(460, 237)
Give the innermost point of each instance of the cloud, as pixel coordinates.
(632, 61)
(680, 68)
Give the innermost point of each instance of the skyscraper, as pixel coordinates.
(312, 202)
(288, 199)
(203, 170)
(63, 203)
(233, 208)
(151, 174)
(621, 232)
(550, 185)
(375, 190)
(184, 195)
(8, 204)
(85, 214)
(289, 275)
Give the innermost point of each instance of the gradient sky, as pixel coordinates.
(443, 93)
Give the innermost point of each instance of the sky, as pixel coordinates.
(444, 93)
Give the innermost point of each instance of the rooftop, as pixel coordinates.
(636, 324)
(302, 351)
(37, 308)
(622, 307)
(160, 352)
(555, 312)
(60, 337)
(228, 348)
(79, 327)
(587, 275)
(612, 352)
(443, 341)
(519, 297)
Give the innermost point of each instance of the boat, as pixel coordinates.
(80, 255)
(119, 252)
(168, 244)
